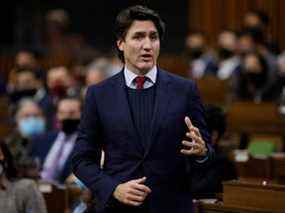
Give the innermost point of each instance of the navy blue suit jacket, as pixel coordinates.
(40, 147)
(106, 123)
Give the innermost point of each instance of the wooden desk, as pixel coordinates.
(221, 208)
(255, 118)
(251, 195)
(278, 167)
(56, 198)
(213, 90)
(246, 197)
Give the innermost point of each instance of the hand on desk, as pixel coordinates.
(133, 192)
(197, 146)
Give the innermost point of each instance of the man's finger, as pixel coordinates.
(136, 198)
(133, 203)
(195, 130)
(142, 188)
(197, 139)
(191, 144)
(193, 148)
(188, 122)
(190, 151)
(140, 180)
(138, 192)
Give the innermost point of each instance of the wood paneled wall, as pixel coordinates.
(211, 16)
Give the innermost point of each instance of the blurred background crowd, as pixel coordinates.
(46, 69)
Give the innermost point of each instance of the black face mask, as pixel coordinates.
(17, 95)
(256, 32)
(58, 90)
(225, 53)
(196, 52)
(256, 78)
(69, 126)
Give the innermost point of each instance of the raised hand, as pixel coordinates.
(197, 146)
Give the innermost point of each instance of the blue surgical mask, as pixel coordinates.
(31, 126)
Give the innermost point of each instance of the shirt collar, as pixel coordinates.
(130, 76)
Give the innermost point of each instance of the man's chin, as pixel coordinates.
(146, 67)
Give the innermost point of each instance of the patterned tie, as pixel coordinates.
(140, 81)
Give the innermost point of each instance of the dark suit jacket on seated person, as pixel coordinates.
(40, 148)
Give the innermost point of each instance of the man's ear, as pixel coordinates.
(120, 44)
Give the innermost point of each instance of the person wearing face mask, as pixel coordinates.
(17, 195)
(201, 61)
(60, 83)
(29, 85)
(30, 122)
(276, 90)
(53, 149)
(26, 85)
(229, 62)
(253, 81)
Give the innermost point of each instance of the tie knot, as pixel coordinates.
(140, 81)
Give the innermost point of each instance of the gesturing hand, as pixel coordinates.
(133, 192)
(197, 146)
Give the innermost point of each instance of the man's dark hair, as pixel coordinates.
(141, 13)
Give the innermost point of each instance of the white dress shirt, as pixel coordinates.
(68, 143)
(150, 80)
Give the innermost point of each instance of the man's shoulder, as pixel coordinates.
(44, 139)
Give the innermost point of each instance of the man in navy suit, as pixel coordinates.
(150, 124)
(54, 149)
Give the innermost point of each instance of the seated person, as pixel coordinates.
(30, 122)
(54, 148)
(17, 195)
(253, 80)
(201, 59)
(228, 60)
(28, 84)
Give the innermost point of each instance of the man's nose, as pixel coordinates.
(147, 44)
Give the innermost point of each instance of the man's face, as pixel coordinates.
(26, 80)
(58, 75)
(29, 110)
(141, 46)
(252, 20)
(195, 41)
(227, 40)
(252, 64)
(26, 60)
(68, 109)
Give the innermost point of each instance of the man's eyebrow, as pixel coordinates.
(145, 31)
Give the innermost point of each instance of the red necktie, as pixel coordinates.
(140, 81)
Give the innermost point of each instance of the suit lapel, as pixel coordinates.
(162, 99)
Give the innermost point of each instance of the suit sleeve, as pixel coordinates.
(87, 153)
(197, 116)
